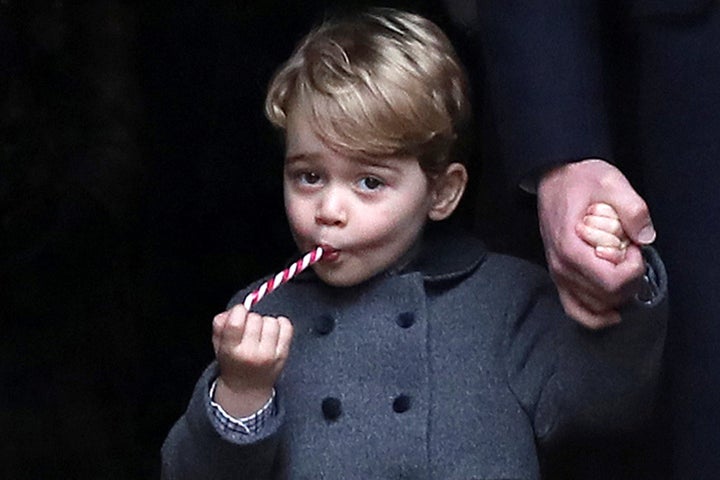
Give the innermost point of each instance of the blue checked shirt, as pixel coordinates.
(247, 425)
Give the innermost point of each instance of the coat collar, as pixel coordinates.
(445, 253)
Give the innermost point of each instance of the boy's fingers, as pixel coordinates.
(285, 335)
(599, 238)
(269, 335)
(602, 210)
(218, 325)
(610, 225)
(219, 322)
(253, 328)
(611, 254)
(235, 325)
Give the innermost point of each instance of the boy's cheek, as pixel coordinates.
(301, 233)
(295, 220)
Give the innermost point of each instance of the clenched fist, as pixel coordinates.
(251, 350)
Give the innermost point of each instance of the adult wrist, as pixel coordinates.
(535, 182)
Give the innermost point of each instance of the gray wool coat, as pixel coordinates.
(455, 367)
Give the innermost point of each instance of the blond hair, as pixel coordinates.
(381, 83)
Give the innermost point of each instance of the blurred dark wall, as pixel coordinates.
(139, 188)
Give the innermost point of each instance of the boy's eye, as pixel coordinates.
(309, 178)
(371, 183)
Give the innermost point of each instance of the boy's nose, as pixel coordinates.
(331, 210)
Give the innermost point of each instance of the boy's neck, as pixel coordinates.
(407, 258)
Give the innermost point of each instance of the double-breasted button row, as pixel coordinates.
(332, 407)
(405, 319)
(324, 324)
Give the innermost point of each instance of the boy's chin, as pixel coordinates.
(335, 279)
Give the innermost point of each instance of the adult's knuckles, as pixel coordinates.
(637, 209)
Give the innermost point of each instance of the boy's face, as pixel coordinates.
(366, 213)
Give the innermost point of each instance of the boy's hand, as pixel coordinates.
(601, 228)
(251, 351)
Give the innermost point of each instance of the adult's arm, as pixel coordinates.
(544, 82)
(544, 85)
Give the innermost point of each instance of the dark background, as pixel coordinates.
(139, 188)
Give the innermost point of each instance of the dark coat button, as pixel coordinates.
(323, 324)
(405, 319)
(331, 408)
(401, 403)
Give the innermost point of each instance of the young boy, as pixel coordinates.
(409, 351)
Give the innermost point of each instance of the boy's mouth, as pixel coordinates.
(330, 254)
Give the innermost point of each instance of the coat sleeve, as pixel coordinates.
(571, 380)
(543, 81)
(195, 448)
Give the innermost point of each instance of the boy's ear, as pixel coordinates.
(448, 189)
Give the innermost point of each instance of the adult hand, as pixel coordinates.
(591, 289)
(251, 350)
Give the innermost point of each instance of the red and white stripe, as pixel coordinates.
(283, 277)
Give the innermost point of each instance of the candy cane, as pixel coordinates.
(283, 277)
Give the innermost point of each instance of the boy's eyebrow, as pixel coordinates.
(371, 162)
(376, 162)
(302, 156)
